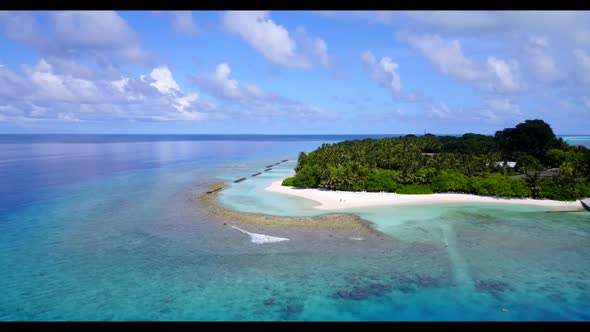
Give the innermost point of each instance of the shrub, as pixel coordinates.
(551, 190)
(450, 180)
(415, 189)
(305, 177)
(288, 182)
(382, 180)
(519, 188)
(582, 188)
(477, 185)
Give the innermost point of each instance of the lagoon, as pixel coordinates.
(110, 229)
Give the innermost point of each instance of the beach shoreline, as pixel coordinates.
(341, 200)
(329, 222)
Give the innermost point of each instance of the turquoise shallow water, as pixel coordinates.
(125, 241)
(468, 261)
(583, 140)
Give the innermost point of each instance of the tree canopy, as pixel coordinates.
(468, 163)
(533, 137)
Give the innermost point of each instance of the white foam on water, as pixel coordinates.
(356, 238)
(261, 238)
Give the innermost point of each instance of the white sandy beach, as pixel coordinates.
(339, 200)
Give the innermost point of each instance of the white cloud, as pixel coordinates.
(505, 75)
(220, 84)
(540, 43)
(494, 75)
(541, 63)
(91, 29)
(227, 87)
(383, 17)
(12, 86)
(582, 36)
(500, 111)
(320, 50)
(21, 27)
(37, 111)
(120, 84)
(49, 86)
(9, 109)
(447, 57)
(583, 65)
(163, 80)
(67, 117)
(571, 25)
(270, 39)
(251, 101)
(315, 47)
(185, 102)
(439, 110)
(383, 72)
(134, 54)
(183, 21)
(454, 20)
(96, 35)
(503, 104)
(45, 94)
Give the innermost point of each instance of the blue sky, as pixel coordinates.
(288, 72)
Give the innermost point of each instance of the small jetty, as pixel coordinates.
(277, 163)
(268, 168)
(214, 190)
(585, 205)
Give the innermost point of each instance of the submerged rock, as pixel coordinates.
(405, 288)
(358, 295)
(400, 278)
(341, 294)
(165, 311)
(354, 281)
(491, 286)
(421, 247)
(380, 288)
(425, 281)
(494, 288)
(557, 298)
(293, 308)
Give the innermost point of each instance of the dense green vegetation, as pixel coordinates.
(288, 182)
(546, 166)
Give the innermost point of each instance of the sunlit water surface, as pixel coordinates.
(108, 229)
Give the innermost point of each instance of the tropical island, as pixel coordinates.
(527, 161)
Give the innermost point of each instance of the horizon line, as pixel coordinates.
(244, 134)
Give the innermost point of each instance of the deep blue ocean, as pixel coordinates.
(107, 227)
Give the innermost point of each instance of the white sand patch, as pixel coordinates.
(339, 200)
(261, 238)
